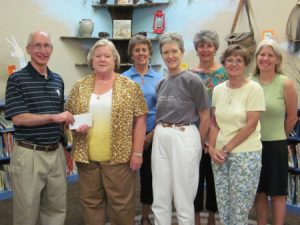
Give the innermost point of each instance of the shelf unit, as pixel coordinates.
(294, 140)
(118, 12)
(9, 194)
(121, 44)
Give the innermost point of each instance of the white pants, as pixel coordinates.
(176, 156)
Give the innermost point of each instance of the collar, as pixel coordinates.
(36, 74)
(134, 73)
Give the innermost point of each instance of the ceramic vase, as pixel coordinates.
(86, 27)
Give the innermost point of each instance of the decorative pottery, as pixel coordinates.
(103, 34)
(86, 27)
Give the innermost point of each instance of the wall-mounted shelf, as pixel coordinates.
(7, 130)
(97, 38)
(121, 45)
(294, 140)
(118, 12)
(4, 158)
(122, 65)
(125, 11)
(2, 104)
(5, 195)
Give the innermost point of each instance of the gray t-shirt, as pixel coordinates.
(180, 97)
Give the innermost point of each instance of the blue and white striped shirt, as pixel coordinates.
(28, 91)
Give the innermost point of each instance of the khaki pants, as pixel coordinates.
(107, 186)
(39, 186)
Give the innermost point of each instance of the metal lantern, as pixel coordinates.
(159, 24)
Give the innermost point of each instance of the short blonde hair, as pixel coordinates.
(104, 42)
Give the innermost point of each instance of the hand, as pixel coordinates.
(82, 129)
(218, 156)
(148, 139)
(135, 162)
(206, 147)
(64, 117)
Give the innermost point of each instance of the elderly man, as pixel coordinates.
(35, 103)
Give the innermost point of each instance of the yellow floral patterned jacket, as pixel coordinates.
(127, 102)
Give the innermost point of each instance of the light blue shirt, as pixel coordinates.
(147, 85)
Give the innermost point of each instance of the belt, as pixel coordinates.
(180, 126)
(45, 148)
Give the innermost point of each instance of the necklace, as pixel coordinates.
(229, 96)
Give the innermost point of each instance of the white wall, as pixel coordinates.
(61, 18)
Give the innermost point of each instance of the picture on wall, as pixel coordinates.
(121, 29)
(268, 34)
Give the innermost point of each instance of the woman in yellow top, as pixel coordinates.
(108, 153)
(234, 137)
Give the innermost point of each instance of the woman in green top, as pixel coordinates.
(276, 124)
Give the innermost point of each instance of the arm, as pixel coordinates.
(204, 116)
(291, 102)
(30, 119)
(252, 119)
(216, 155)
(139, 131)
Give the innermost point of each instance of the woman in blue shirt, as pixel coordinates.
(140, 51)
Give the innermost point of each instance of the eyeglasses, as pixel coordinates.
(238, 61)
(39, 46)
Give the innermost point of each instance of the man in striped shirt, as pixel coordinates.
(35, 104)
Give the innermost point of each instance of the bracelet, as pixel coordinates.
(139, 154)
(225, 150)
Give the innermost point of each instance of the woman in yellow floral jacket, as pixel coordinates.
(108, 153)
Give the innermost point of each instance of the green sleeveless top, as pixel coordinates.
(272, 120)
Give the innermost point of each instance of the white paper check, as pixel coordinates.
(81, 119)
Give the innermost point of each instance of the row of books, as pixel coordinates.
(5, 177)
(5, 124)
(5, 173)
(6, 144)
(71, 168)
(293, 188)
(294, 156)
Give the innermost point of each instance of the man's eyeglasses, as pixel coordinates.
(39, 46)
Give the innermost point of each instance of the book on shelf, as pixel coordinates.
(290, 157)
(1, 147)
(297, 189)
(294, 156)
(8, 144)
(4, 123)
(5, 178)
(297, 149)
(71, 168)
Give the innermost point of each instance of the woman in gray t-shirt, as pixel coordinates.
(181, 100)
